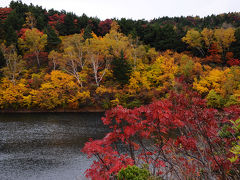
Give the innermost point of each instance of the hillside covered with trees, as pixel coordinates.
(51, 59)
(179, 74)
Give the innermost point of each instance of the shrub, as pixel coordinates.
(133, 173)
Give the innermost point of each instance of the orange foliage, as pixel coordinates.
(214, 54)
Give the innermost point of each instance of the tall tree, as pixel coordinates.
(73, 59)
(208, 37)
(14, 20)
(30, 21)
(87, 32)
(55, 57)
(52, 38)
(11, 25)
(194, 39)
(10, 36)
(96, 51)
(104, 27)
(68, 25)
(224, 38)
(14, 63)
(121, 69)
(76, 42)
(235, 46)
(33, 41)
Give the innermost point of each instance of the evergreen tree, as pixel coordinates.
(87, 32)
(10, 36)
(41, 23)
(166, 37)
(83, 21)
(52, 39)
(20, 10)
(40, 15)
(11, 25)
(1, 31)
(121, 69)
(68, 25)
(2, 60)
(126, 25)
(14, 20)
(94, 22)
(235, 47)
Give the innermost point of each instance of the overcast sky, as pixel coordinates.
(138, 9)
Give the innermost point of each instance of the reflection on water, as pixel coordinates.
(46, 146)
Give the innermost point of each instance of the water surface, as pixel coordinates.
(46, 146)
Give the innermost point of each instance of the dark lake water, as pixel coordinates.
(46, 146)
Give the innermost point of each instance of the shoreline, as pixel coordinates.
(83, 110)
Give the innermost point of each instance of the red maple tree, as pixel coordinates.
(177, 137)
(4, 13)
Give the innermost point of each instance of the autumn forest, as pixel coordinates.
(153, 78)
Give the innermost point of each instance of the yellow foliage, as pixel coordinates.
(108, 74)
(224, 82)
(33, 41)
(201, 86)
(30, 20)
(59, 89)
(224, 38)
(160, 75)
(213, 80)
(115, 102)
(102, 90)
(208, 36)
(27, 101)
(138, 81)
(12, 95)
(14, 63)
(197, 68)
(80, 98)
(221, 37)
(193, 38)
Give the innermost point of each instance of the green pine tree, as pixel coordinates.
(52, 38)
(121, 69)
(87, 32)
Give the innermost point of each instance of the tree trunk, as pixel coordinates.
(37, 56)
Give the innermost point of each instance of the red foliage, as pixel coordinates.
(214, 54)
(231, 61)
(104, 26)
(21, 33)
(145, 134)
(75, 21)
(31, 58)
(4, 13)
(55, 19)
(110, 161)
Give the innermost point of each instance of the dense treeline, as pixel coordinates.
(51, 59)
(161, 33)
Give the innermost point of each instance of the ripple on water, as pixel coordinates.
(46, 146)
